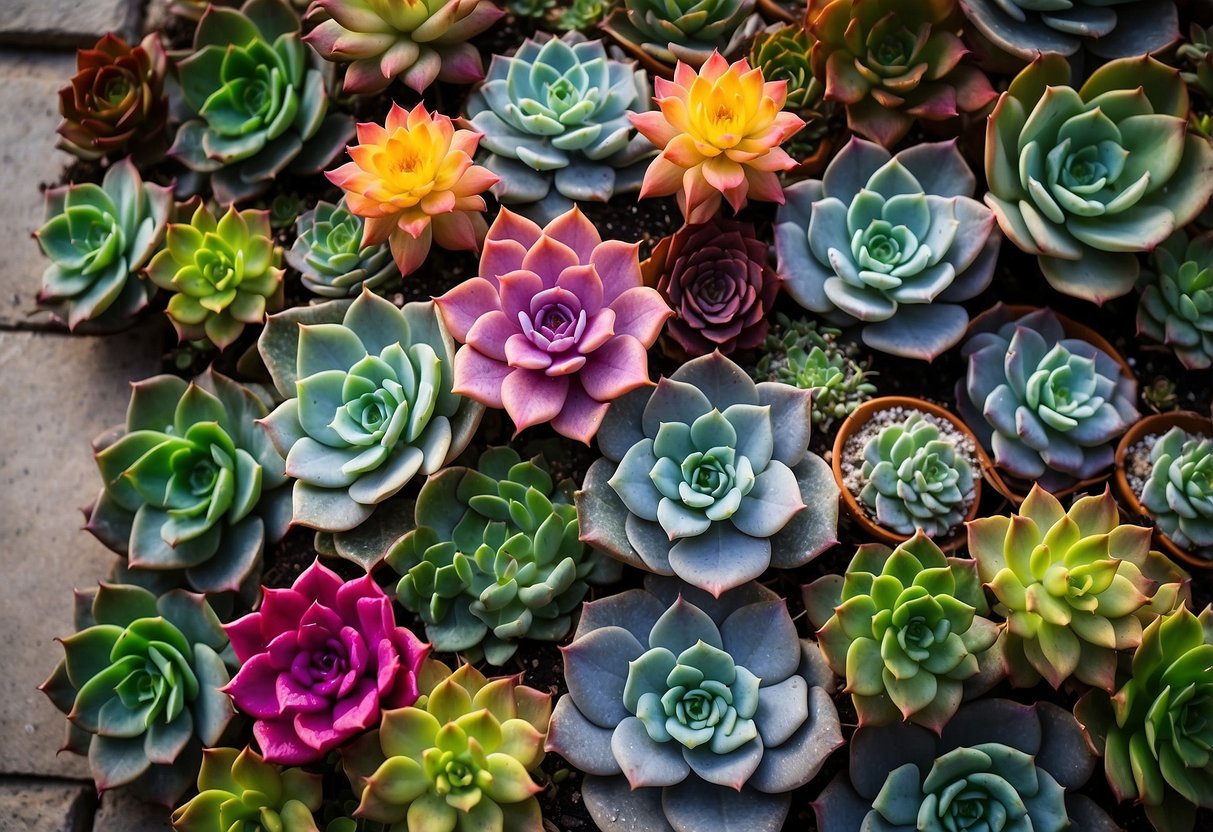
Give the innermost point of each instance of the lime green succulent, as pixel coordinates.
(238, 791)
(1176, 306)
(329, 255)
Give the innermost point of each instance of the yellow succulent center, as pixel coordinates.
(408, 164)
(721, 112)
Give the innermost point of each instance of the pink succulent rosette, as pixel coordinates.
(318, 662)
(556, 326)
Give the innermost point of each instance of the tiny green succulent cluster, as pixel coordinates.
(329, 255)
(238, 791)
(1176, 306)
(1179, 491)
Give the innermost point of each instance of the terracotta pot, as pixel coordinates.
(1157, 425)
(854, 422)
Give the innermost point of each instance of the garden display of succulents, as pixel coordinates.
(494, 480)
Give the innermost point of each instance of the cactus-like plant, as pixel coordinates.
(98, 238)
(1105, 28)
(1075, 587)
(329, 255)
(239, 790)
(708, 477)
(686, 31)
(1176, 306)
(1047, 407)
(1179, 491)
(1084, 179)
(140, 683)
(908, 629)
(894, 242)
(678, 701)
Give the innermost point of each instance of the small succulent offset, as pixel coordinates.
(908, 629)
(708, 477)
(258, 99)
(782, 53)
(191, 484)
(687, 31)
(997, 765)
(896, 243)
(115, 103)
(1197, 56)
(317, 663)
(1074, 587)
(1047, 407)
(417, 41)
(719, 132)
(678, 701)
(1154, 732)
(891, 62)
(915, 477)
(557, 325)
(329, 255)
(1105, 28)
(1179, 491)
(1176, 306)
(239, 790)
(460, 758)
(140, 684)
(1086, 179)
(554, 116)
(494, 557)
(223, 274)
(368, 404)
(98, 238)
(582, 14)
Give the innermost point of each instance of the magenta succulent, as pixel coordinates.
(318, 662)
(556, 326)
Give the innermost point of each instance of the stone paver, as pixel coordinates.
(64, 22)
(123, 813)
(59, 392)
(27, 805)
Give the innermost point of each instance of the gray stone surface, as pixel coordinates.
(27, 805)
(59, 392)
(122, 813)
(65, 22)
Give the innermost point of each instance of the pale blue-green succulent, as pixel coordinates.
(330, 258)
(1179, 491)
(1176, 306)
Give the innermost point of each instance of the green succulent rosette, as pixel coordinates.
(258, 101)
(98, 239)
(330, 258)
(682, 30)
(494, 558)
(1176, 305)
(781, 51)
(238, 791)
(140, 683)
(1179, 491)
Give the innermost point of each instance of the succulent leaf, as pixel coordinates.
(1105, 28)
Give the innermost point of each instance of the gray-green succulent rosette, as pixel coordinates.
(688, 712)
(1179, 491)
(258, 101)
(1176, 306)
(708, 476)
(330, 258)
(495, 557)
(368, 404)
(192, 487)
(682, 30)
(140, 684)
(896, 243)
(1105, 28)
(554, 116)
(98, 238)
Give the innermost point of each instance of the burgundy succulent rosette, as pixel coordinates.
(318, 662)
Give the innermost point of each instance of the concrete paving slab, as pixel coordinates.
(122, 813)
(45, 806)
(62, 23)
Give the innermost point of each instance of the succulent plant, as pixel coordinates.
(717, 278)
(140, 686)
(285, 209)
(239, 790)
(573, 307)
(460, 758)
(1085, 179)
(368, 404)
(223, 274)
(1197, 56)
(554, 116)
(1047, 407)
(687, 31)
(908, 629)
(804, 355)
(329, 255)
(997, 764)
(1105, 28)
(708, 477)
(418, 41)
(1074, 586)
(190, 483)
(781, 52)
(734, 153)
(1179, 490)
(690, 712)
(891, 62)
(893, 242)
(530, 8)
(1160, 395)
(1154, 732)
(258, 99)
(194, 9)
(582, 14)
(98, 238)
(317, 663)
(115, 102)
(1176, 306)
(413, 182)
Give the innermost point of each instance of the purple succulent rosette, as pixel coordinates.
(318, 663)
(708, 476)
(688, 712)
